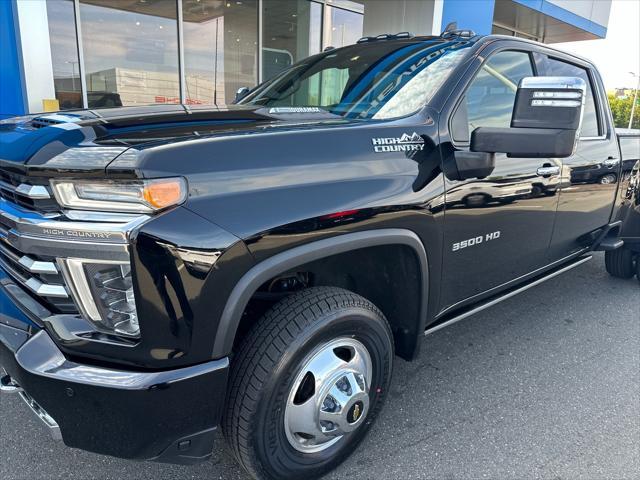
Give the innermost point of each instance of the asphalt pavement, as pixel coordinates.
(544, 385)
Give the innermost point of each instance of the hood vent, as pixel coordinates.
(54, 119)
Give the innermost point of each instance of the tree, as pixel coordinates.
(621, 109)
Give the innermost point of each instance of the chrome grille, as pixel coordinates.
(39, 276)
(34, 245)
(14, 188)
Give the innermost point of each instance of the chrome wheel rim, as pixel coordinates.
(329, 398)
(607, 180)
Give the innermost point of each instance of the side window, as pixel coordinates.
(558, 68)
(630, 148)
(489, 99)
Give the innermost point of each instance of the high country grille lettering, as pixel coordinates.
(54, 232)
(404, 143)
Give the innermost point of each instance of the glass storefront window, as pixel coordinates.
(64, 54)
(498, 30)
(291, 32)
(342, 27)
(130, 48)
(220, 49)
(355, 5)
(130, 52)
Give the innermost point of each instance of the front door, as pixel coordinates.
(497, 228)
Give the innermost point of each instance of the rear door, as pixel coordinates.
(589, 178)
(498, 228)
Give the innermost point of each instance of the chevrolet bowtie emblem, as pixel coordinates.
(356, 412)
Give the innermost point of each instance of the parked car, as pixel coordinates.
(169, 269)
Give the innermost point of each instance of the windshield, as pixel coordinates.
(367, 81)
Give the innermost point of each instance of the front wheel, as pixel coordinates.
(307, 383)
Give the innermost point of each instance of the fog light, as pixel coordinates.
(104, 293)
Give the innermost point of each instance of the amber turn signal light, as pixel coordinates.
(164, 193)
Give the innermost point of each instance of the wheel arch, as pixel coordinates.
(317, 250)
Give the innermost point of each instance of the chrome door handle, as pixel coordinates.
(611, 162)
(548, 171)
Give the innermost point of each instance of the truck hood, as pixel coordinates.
(85, 142)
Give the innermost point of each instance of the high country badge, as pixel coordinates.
(404, 143)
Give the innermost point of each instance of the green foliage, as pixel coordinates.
(621, 109)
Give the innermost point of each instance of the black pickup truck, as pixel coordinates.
(166, 270)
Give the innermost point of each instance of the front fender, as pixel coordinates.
(302, 254)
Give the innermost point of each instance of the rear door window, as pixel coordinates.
(558, 68)
(630, 147)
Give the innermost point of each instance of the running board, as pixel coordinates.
(512, 293)
(608, 239)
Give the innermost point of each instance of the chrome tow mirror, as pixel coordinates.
(546, 120)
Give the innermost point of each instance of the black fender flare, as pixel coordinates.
(281, 262)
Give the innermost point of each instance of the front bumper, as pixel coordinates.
(167, 416)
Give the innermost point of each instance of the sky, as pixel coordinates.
(619, 53)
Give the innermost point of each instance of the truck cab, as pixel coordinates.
(165, 270)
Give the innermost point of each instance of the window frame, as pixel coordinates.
(534, 61)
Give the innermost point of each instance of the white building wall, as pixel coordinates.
(33, 24)
(393, 16)
(601, 11)
(595, 10)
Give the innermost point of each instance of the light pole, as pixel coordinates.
(73, 74)
(635, 99)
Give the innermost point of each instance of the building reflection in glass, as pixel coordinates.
(130, 52)
(131, 48)
(291, 32)
(220, 49)
(64, 54)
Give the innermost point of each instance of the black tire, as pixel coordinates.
(265, 368)
(638, 267)
(620, 263)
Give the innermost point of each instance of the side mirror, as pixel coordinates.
(241, 93)
(546, 120)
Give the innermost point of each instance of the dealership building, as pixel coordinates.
(69, 54)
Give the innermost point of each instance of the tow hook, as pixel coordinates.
(7, 385)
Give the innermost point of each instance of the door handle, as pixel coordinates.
(611, 162)
(548, 171)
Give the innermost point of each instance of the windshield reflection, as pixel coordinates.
(366, 81)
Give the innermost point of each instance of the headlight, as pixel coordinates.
(104, 292)
(139, 196)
